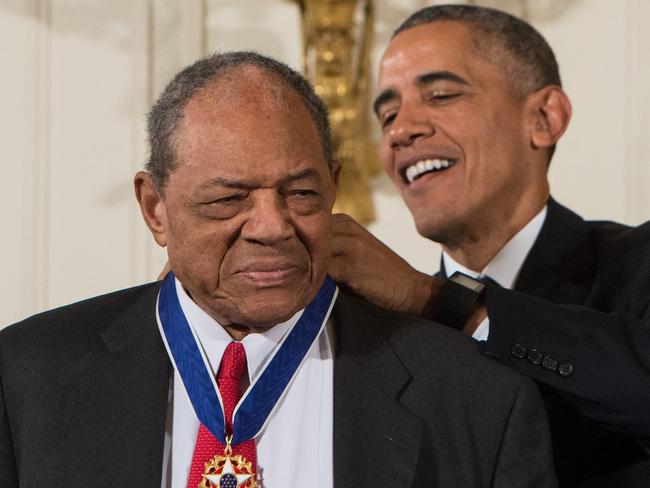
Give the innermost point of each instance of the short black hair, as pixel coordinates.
(510, 43)
(165, 115)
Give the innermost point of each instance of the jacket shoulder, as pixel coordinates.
(616, 237)
(77, 321)
(427, 348)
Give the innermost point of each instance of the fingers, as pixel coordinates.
(343, 224)
(351, 237)
(165, 270)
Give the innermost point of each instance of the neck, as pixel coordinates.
(238, 332)
(480, 244)
(476, 255)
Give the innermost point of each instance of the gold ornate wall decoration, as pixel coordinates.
(337, 39)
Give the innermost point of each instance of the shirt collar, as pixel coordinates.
(214, 339)
(505, 266)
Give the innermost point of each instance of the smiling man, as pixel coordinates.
(143, 387)
(471, 107)
(449, 132)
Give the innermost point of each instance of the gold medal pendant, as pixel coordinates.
(228, 471)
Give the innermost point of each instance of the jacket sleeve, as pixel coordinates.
(525, 457)
(600, 363)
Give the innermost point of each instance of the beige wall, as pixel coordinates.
(78, 78)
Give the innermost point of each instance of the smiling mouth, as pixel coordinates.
(425, 166)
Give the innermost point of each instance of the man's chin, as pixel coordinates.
(445, 233)
(266, 317)
(267, 306)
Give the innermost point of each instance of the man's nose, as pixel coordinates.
(269, 221)
(410, 124)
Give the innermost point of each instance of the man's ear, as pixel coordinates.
(550, 112)
(152, 206)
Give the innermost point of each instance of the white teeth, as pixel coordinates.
(411, 173)
(426, 165)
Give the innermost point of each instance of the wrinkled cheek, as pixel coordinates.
(205, 265)
(211, 266)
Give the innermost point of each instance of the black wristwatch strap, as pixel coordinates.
(457, 298)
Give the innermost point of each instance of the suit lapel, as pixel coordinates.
(559, 267)
(376, 437)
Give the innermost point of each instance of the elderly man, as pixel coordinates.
(120, 390)
(471, 107)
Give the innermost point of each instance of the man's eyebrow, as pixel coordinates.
(249, 185)
(227, 182)
(424, 79)
(385, 96)
(300, 175)
(433, 76)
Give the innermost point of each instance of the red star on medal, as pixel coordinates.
(228, 478)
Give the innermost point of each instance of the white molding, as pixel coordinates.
(178, 38)
(37, 185)
(636, 152)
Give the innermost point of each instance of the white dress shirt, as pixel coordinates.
(295, 448)
(504, 268)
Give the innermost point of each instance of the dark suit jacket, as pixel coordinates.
(600, 412)
(84, 396)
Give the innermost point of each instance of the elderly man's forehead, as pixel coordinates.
(243, 87)
(248, 109)
(234, 107)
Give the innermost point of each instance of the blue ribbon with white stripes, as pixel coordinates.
(259, 399)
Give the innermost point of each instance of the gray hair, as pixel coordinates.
(513, 45)
(166, 114)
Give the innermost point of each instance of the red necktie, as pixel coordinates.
(233, 366)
